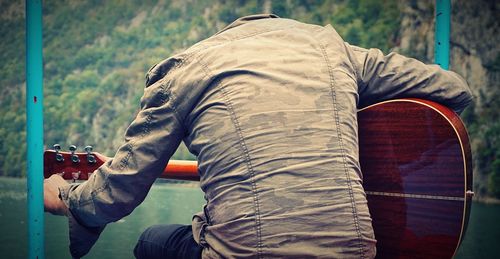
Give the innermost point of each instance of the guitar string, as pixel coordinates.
(416, 196)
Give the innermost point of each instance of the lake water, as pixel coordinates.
(172, 203)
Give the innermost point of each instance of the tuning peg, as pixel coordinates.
(74, 157)
(90, 158)
(59, 157)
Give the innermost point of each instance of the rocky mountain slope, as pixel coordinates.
(97, 52)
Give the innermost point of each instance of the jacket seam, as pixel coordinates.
(342, 148)
(169, 95)
(165, 95)
(250, 169)
(236, 124)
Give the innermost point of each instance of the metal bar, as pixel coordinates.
(442, 34)
(34, 128)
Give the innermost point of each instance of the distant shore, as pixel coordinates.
(487, 200)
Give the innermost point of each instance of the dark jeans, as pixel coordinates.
(167, 241)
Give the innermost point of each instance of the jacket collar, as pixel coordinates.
(246, 19)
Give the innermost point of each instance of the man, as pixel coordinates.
(268, 105)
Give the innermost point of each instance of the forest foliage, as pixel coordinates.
(96, 54)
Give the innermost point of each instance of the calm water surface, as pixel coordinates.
(167, 203)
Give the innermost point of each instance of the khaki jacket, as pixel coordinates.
(268, 106)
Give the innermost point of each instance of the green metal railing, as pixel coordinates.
(442, 34)
(34, 128)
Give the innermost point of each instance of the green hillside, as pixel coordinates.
(96, 54)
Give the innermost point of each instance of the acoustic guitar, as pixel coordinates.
(417, 174)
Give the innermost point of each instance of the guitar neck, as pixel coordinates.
(80, 166)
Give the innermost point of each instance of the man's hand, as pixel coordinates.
(53, 204)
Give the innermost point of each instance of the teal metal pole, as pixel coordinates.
(442, 34)
(34, 128)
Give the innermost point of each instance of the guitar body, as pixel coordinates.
(417, 174)
(416, 165)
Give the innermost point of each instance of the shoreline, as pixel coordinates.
(487, 200)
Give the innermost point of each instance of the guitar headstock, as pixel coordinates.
(70, 165)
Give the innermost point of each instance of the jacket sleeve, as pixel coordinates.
(395, 76)
(122, 183)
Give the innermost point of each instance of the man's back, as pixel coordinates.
(273, 123)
